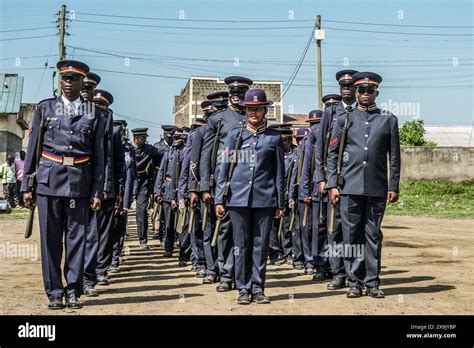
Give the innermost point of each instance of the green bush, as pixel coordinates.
(412, 134)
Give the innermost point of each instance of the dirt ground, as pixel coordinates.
(427, 268)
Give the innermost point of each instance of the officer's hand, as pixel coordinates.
(220, 210)
(123, 213)
(193, 200)
(28, 199)
(279, 213)
(158, 199)
(392, 196)
(118, 200)
(105, 195)
(307, 200)
(134, 197)
(181, 205)
(95, 203)
(206, 197)
(291, 203)
(173, 204)
(321, 188)
(334, 195)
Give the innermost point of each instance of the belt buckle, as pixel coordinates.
(68, 161)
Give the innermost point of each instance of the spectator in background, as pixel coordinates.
(9, 182)
(19, 164)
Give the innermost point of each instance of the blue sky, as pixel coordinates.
(431, 74)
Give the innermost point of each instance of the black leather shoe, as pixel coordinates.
(244, 298)
(354, 292)
(182, 264)
(144, 246)
(375, 292)
(167, 254)
(73, 302)
(56, 303)
(89, 291)
(337, 283)
(113, 269)
(298, 266)
(102, 280)
(224, 286)
(209, 279)
(321, 276)
(260, 298)
(308, 271)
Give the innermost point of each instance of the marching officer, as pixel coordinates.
(294, 195)
(255, 194)
(280, 241)
(208, 223)
(69, 179)
(334, 109)
(361, 183)
(219, 100)
(91, 82)
(129, 172)
(166, 187)
(331, 99)
(318, 243)
(146, 159)
(218, 127)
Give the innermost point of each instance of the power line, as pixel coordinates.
(401, 25)
(395, 32)
(27, 37)
(27, 29)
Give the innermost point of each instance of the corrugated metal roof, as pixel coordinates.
(11, 91)
(451, 135)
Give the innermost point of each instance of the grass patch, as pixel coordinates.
(15, 214)
(440, 199)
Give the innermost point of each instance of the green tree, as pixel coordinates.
(412, 134)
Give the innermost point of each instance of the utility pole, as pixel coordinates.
(319, 36)
(62, 33)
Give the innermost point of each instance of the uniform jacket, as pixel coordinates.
(195, 158)
(146, 159)
(308, 175)
(183, 192)
(129, 173)
(295, 192)
(165, 184)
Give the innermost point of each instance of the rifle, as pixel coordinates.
(215, 148)
(191, 220)
(230, 171)
(32, 177)
(340, 178)
(204, 216)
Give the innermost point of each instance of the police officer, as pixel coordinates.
(91, 81)
(69, 181)
(165, 190)
(146, 158)
(372, 136)
(163, 146)
(294, 198)
(210, 252)
(219, 100)
(196, 235)
(331, 113)
(256, 194)
(218, 128)
(331, 99)
(318, 234)
(129, 172)
(280, 246)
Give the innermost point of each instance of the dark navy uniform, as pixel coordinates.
(70, 173)
(372, 137)
(146, 158)
(221, 123)
(256, 190)
(317, 244)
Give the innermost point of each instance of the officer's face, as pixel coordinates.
(236, 96)
(287, 142)
(366, 95)
(256, 114)
(168, 137)
(139, 140)
(71, 86)
(347, 92)
(87, 92)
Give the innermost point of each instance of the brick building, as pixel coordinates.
(187, 105)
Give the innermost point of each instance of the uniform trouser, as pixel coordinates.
(251, 231)
(336, 261)
(92, 248)
(142, 214)
(169, 230)
(281, 245)
(361, 218)
(185, 240)
(118, 238)
(62, 218)
(225, 250)
(296, 247)
(104, 254)
(197, 247)
(210, 252)
(306, 236)
(320, 248)
(11, 194)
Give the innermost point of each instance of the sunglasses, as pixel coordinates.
(364, 90)
(72, 77)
